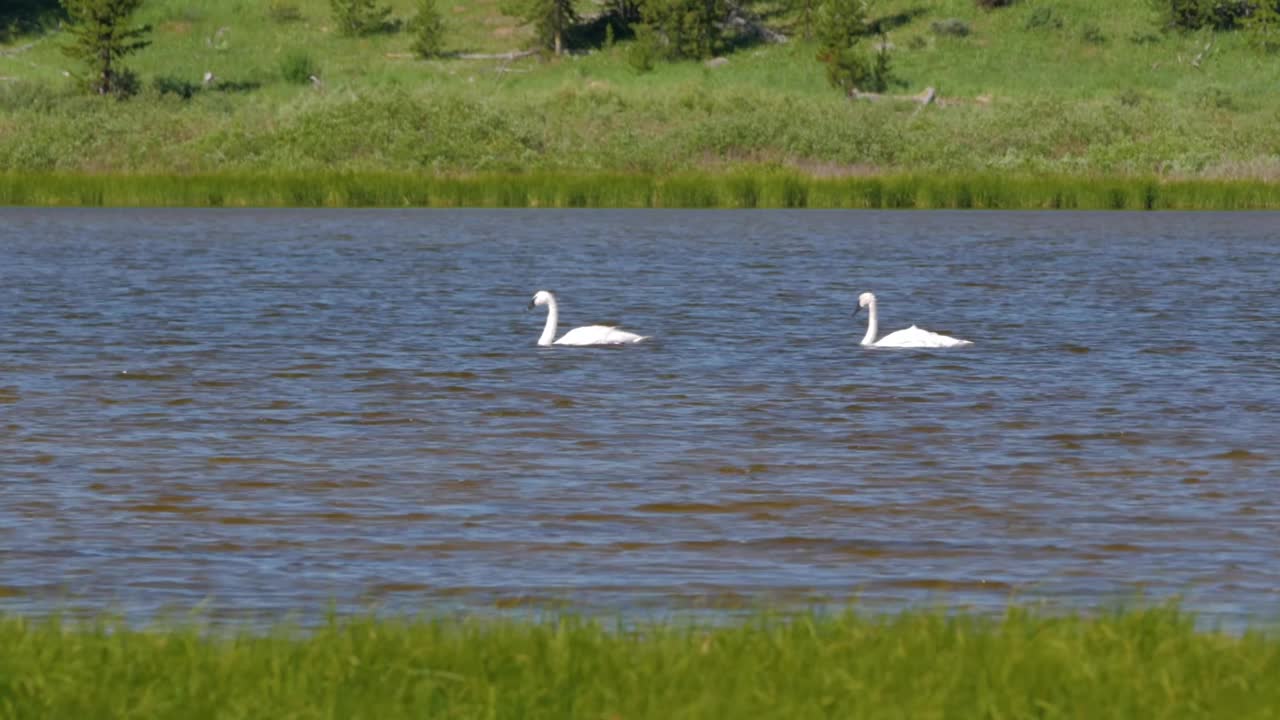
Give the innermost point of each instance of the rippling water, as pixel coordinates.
(272, 410)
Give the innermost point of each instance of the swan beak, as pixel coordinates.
(529, 306)
(856, 311)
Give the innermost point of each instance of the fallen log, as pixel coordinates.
(925, 97)
(928, 96)
(513, 55)
(19, 50)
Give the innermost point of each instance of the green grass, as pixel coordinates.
(738, 188)
(1124, 103)
(1148, 663)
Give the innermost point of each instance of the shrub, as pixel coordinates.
(643, 53)
(298, 67)
(951, 27)
(1132, 98)
(1216, 98)
(1043, 18)
(1196, 14)
(993, 4)
(283, 11)
(32, 96)
(360, 17)
(127, 83)
(1092, 34)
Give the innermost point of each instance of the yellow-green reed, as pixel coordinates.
(765, 188)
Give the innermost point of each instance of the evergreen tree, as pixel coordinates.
(101, 37)
(691, 27)
(625, 11)
(805, 8)
(551, 19)
(1263, 26)
(841, 24)
(427, 28)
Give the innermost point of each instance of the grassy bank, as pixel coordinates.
(1086, 88)
(1145, 663)
(734, 189)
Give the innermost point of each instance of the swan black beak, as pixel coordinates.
(856, 311)
(529, 306)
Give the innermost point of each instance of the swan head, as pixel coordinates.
(542, 297)
(864, 300)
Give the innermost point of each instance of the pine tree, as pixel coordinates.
(101, 37)
(624, 11)
(841, 25)
(805, 8)
(691, 27)
(1263, 26)
(427, 28)
(551, 19)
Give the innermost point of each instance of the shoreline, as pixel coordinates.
(745, 188)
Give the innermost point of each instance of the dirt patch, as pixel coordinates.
(822, 169)
(1261, 168)
(175, 27)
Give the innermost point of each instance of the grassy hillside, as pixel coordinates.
(1091, 88)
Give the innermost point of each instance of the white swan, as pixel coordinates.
(912, 337)
(587, 335)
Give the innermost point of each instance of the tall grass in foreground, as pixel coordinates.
(732, 189)
(1148, 663)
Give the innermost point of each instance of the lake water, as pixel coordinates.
(269, 411)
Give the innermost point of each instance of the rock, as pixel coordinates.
(954, 27)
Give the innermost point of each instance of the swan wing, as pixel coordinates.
(598, 335)
(919, 338)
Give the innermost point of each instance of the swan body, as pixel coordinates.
(586, 335)
(912, 337)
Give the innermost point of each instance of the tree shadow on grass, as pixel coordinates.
(893, 21)
(185, 89)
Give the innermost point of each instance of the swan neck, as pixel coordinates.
(553, 319)
(873, 324)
